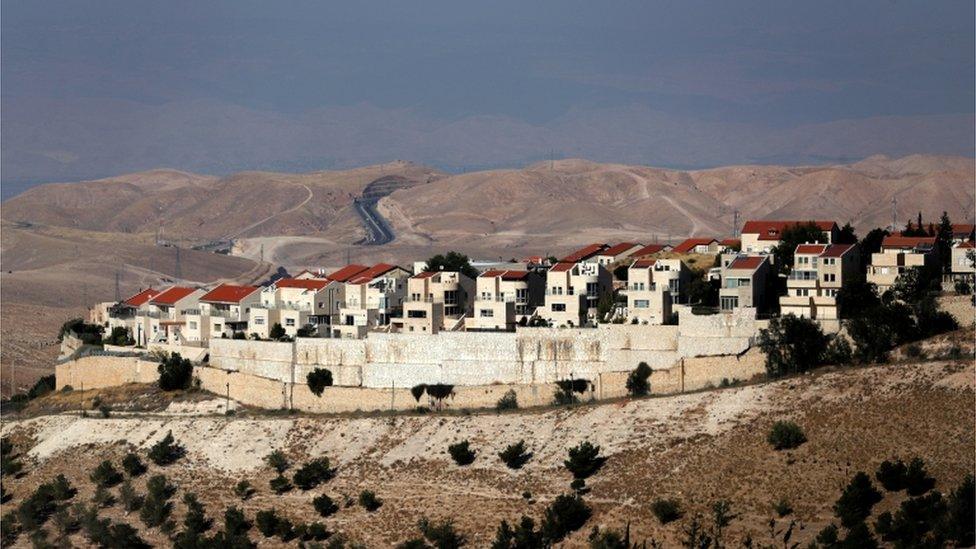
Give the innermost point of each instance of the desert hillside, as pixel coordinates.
(696, 448)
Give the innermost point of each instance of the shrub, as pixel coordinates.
(132, 465)
(523, 536)
(318, 379)
(277, 461)
(277, 332)
(785, 435)
(235, 530)
(855, 503)
(313, 473)
(917, 479)
(131, 500)
(960, 509)
(156, 508)
(105, 475)
(891, 475)
(369, 501)
(61, 489)
(584, 460)
(267, 522)
(962, 287)
(508, 401)
(175, 373)
(637, 380)
(166, 451)
(280, 484)
(567, 389)
(441, 534)
(35, 509)
(461, 453)
(324, 505)
(439, 391)
(103, 498)
(564, 515)
(666, 510)
(418, 391)
(913, 350)
(243, 490)
(10, 466)
(782, 508)
(838, 351)
(195, 520)
(312, 531)
(858, 535)
(119, 336)
(515, 455)
(792, 345)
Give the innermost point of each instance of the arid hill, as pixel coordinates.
(696, 448)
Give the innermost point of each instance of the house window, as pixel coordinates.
(487, 313)
(259, 321)
(451, 297)
(217, 327)
(193, 325)
(521, 294)
(289, 322)
(558, 307)
(729, 303)
(416, 314)
(641, 304)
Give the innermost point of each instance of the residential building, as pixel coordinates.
(506, 298)
(586, 253)
(648, 302)
(760, 237)
(699, 246)
(963, 232)
(112, 315)
(744, 283)
(651, 249)
(372, 298)
(573, 291)
(221, 312)
(162, 321)
(436, 301)
(963, 259)
(897, 254)
(673, 274)
(819, 272)
(616, 253)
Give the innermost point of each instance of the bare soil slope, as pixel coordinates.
(696, 448)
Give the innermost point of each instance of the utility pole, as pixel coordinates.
(894, 212)
(262, 253)
(179, 268)
(118, 292)
(735, 223)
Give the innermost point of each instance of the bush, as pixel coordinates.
(166, 451)
(917, 479)
(277, 332)
(313, 531)
(637, 380)
(461, 453)
(156, 508)
(508, 401)
(103, 498)
(838, 351)
(243, 490)
(324, 505)
(792, 345)
(313, 473)
(963, 288)
(132, 465)
(855, 503)
(960, 509)
(120, 336)
(105, 475)
(441, 535)
(235, 530)
(131, 500)
(515, 455)
(523, 536)
(567, 389)
(418, 391)
(369, 501)
(280, 484)
(891, 475)
(439, 391)
(318, 379)
(782, 508)
(563, 516)
(267, 522)
(666, 510)
(584, 460)
(35, 509)
(785, 435)
(277, 461)
(175, 373)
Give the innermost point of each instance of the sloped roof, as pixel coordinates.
(771, 230)
(303, 283)
(562, 266)
(618, 249)
(172, 295)
(837, 250)
(811, 249)
(962, 230)
(347, 272)
(142, 297)
(967, 245)
(643, 263)
(731, 242)
(689, 244)
(371, 273)
(424, 274)
(651, 249)
(228, 293)
(898, 241)
(505, 274)
(584, 253)
(750, 262)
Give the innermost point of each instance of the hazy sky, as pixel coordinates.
(93, 88)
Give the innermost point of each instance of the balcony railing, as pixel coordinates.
(803, 275)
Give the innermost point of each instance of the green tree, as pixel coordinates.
(855, 503)
(846, 235)
(369, 501)
(793, 236)
(313, 473)
(563, 516)
(943, 243)
(105, 475)
(515, 455)
(277, 332)
(132, 465)
(277, 461)
(175, 373)
(318, 379)
(792, 345)
(120, 336)
(166, 451)
(584, 460)
(523, 536)
(785, 435)
(453, 261)
(666, 510)
(324, 505)
(461, 453)
(638, 381)
(441, 535)
(157, 507)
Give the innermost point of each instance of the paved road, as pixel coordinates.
(378, 231)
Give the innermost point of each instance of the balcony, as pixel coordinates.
(803, 275)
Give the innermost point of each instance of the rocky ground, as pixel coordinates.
(697, 448)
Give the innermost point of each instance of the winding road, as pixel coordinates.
(378, 231)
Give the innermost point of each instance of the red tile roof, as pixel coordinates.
(643, 263)
(371, 273)
(172, 295)
(810, 249)
(689, 245)
(896, 241)
(228, 293)
(347, 272)
(619, 248)
(650, 249)
(771, 230)
(751, 262)
(142, 297)
(562, 266)
(731, 242)
(424, 274)
(967, 244)
(962, 230)
(303, 283)
(837, 250)
(584, 253)
(505, 274)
